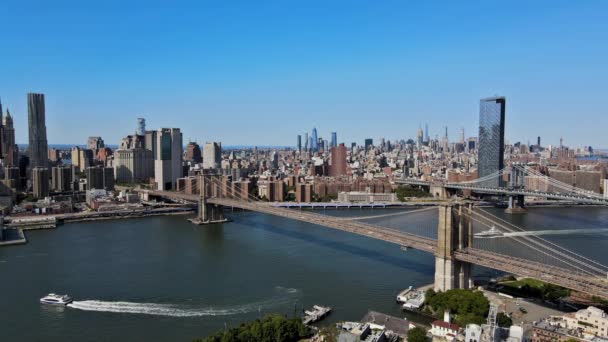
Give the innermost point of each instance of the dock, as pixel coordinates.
(316, 314)
(412, 299)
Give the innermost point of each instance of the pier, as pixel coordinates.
(316, 314)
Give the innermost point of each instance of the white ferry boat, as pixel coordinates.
(492, 232)
(55, 299)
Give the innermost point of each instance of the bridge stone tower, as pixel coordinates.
(516, 181)
(208, 213)
(454, 232)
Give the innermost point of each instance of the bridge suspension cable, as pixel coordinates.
(558, 253)
(568, 188)
(602, 268)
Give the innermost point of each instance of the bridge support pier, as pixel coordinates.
(207, 213)
(454, 232)
(516, 205)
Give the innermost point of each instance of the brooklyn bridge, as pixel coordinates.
(451, 239)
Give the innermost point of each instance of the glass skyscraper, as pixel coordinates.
(491, 143)
(315, 140)
(334, 139)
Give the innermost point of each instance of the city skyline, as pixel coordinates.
(414, 63)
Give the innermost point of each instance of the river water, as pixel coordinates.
(164, 279)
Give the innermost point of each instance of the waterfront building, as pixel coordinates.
(445, 330)
(94, 178)
(303, 192)
(132, 161)
(40, 182)
(272, 191)
(168, 159)
(95, 143)
(605, 181)
(366, 197)
(240, 189)
(99, 177)
(193, 153)
(491, 139)
(590, 322)
(338, 161)
(61, 178)
(38, 146)
(212, 155)
(543, 331)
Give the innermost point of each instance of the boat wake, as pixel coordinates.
(181, 310)
(555, 232)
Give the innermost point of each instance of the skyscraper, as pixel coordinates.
(369, 143)
(315, 140)
(491, 142)
(168, 159)
(133, 161)
(193, 152)
(306, 142)
(37, 131)
(141, 126)
(10, 150)
(334, 139)
(212, 155)
(426, 132)
(338, 161)
(40, 182)
(95, 143)
(299, 143)
(419, 137)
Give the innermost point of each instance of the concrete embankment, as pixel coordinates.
(13, 236)
(14, 231)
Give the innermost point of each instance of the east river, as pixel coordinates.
(164, 279)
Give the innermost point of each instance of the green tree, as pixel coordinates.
(270, 328)
(416, 334)
(503, 320)
(467, 306)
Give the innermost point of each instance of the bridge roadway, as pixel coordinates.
(507, 191)
(597, 286)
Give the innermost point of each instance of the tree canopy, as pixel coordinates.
(465, 305)
(416, 334)
(271, 328)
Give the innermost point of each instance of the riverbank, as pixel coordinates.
(15, 235)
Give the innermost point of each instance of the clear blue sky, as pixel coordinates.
(261, 72)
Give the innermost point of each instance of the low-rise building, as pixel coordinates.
(366, 197)
(444, 329)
